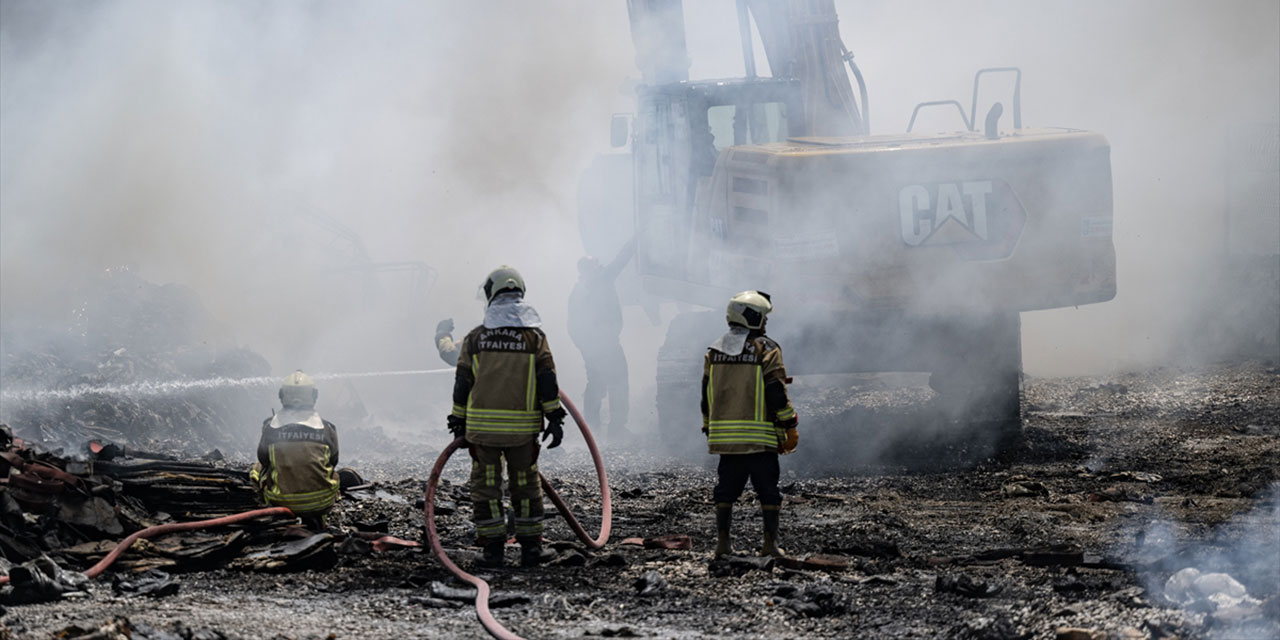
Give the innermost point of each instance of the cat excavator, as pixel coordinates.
(903, 252)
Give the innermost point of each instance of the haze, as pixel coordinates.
(201, 143)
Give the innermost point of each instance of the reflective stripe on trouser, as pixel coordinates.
(503, 421)
(311, 502)
(316, 502)
(486, 489)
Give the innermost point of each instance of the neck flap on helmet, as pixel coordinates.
(733, 341)
(510, 310)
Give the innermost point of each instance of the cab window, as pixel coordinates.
(767, 123)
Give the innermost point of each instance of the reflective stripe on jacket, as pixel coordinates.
(298, 452)
(740, 416)
(504, 385)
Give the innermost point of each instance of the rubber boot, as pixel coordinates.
(724, 518)
(770, 514)
(493, 556)
(313, 523)
(532, 554)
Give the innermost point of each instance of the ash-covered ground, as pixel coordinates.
(1122, 481)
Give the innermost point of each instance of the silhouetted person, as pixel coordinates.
(595, 325)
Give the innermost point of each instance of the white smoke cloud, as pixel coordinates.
(184, 138)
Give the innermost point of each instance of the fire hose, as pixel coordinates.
(174, 527)
(482, 588)
(486, 618)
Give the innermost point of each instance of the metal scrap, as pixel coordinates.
(497, 599)
(315, 552)
(41, 580)
(810, 601)
(650, 584)
(154, 583)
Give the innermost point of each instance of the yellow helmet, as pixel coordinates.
(503, 279)
(749, 309)
(298, 390)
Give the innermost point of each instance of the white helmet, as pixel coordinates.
(749, 309)
(503, 279)
(298, 390)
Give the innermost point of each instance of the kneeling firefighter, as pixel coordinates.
(297, 454)
(747, 416)
(504, 387)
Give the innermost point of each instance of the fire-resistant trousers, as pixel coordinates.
(525, 490)
(735, 469)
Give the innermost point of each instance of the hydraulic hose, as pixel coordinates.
(173, 527)
(486, 618)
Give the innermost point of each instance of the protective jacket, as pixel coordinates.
(504, 385)
(297, 454)
(447, 349)
(745, 408)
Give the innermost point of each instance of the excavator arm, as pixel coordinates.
(801, 40)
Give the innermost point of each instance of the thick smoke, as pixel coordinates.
(1242, 547)
(282, 159)
(274, 157)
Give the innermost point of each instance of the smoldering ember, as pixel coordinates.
(626, 319)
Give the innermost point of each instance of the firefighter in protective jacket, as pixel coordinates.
(298, 454)
(504, 387)
(747, 416)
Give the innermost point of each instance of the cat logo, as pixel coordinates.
(980, 219)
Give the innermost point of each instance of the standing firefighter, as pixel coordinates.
(595, 325)
(297, 454)
(504, 387)
(746, 415)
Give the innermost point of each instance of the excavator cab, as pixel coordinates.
(680, 130)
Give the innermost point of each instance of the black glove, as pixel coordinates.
(554, 428)
(457, 426)
(444, 328)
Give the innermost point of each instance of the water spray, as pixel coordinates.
(174, 387)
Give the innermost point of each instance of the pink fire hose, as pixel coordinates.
(173, 527)
(482, 588)
(491, 624)
(382, 543)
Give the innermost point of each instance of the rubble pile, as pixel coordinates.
(127, 332)
(56, 512)
(195, 488)
(59, 514)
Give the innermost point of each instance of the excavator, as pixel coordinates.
(909, 252)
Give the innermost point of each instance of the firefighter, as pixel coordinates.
(298, 455)
(746, 416)
(446, 347)
(595, 325)
(504, 387)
